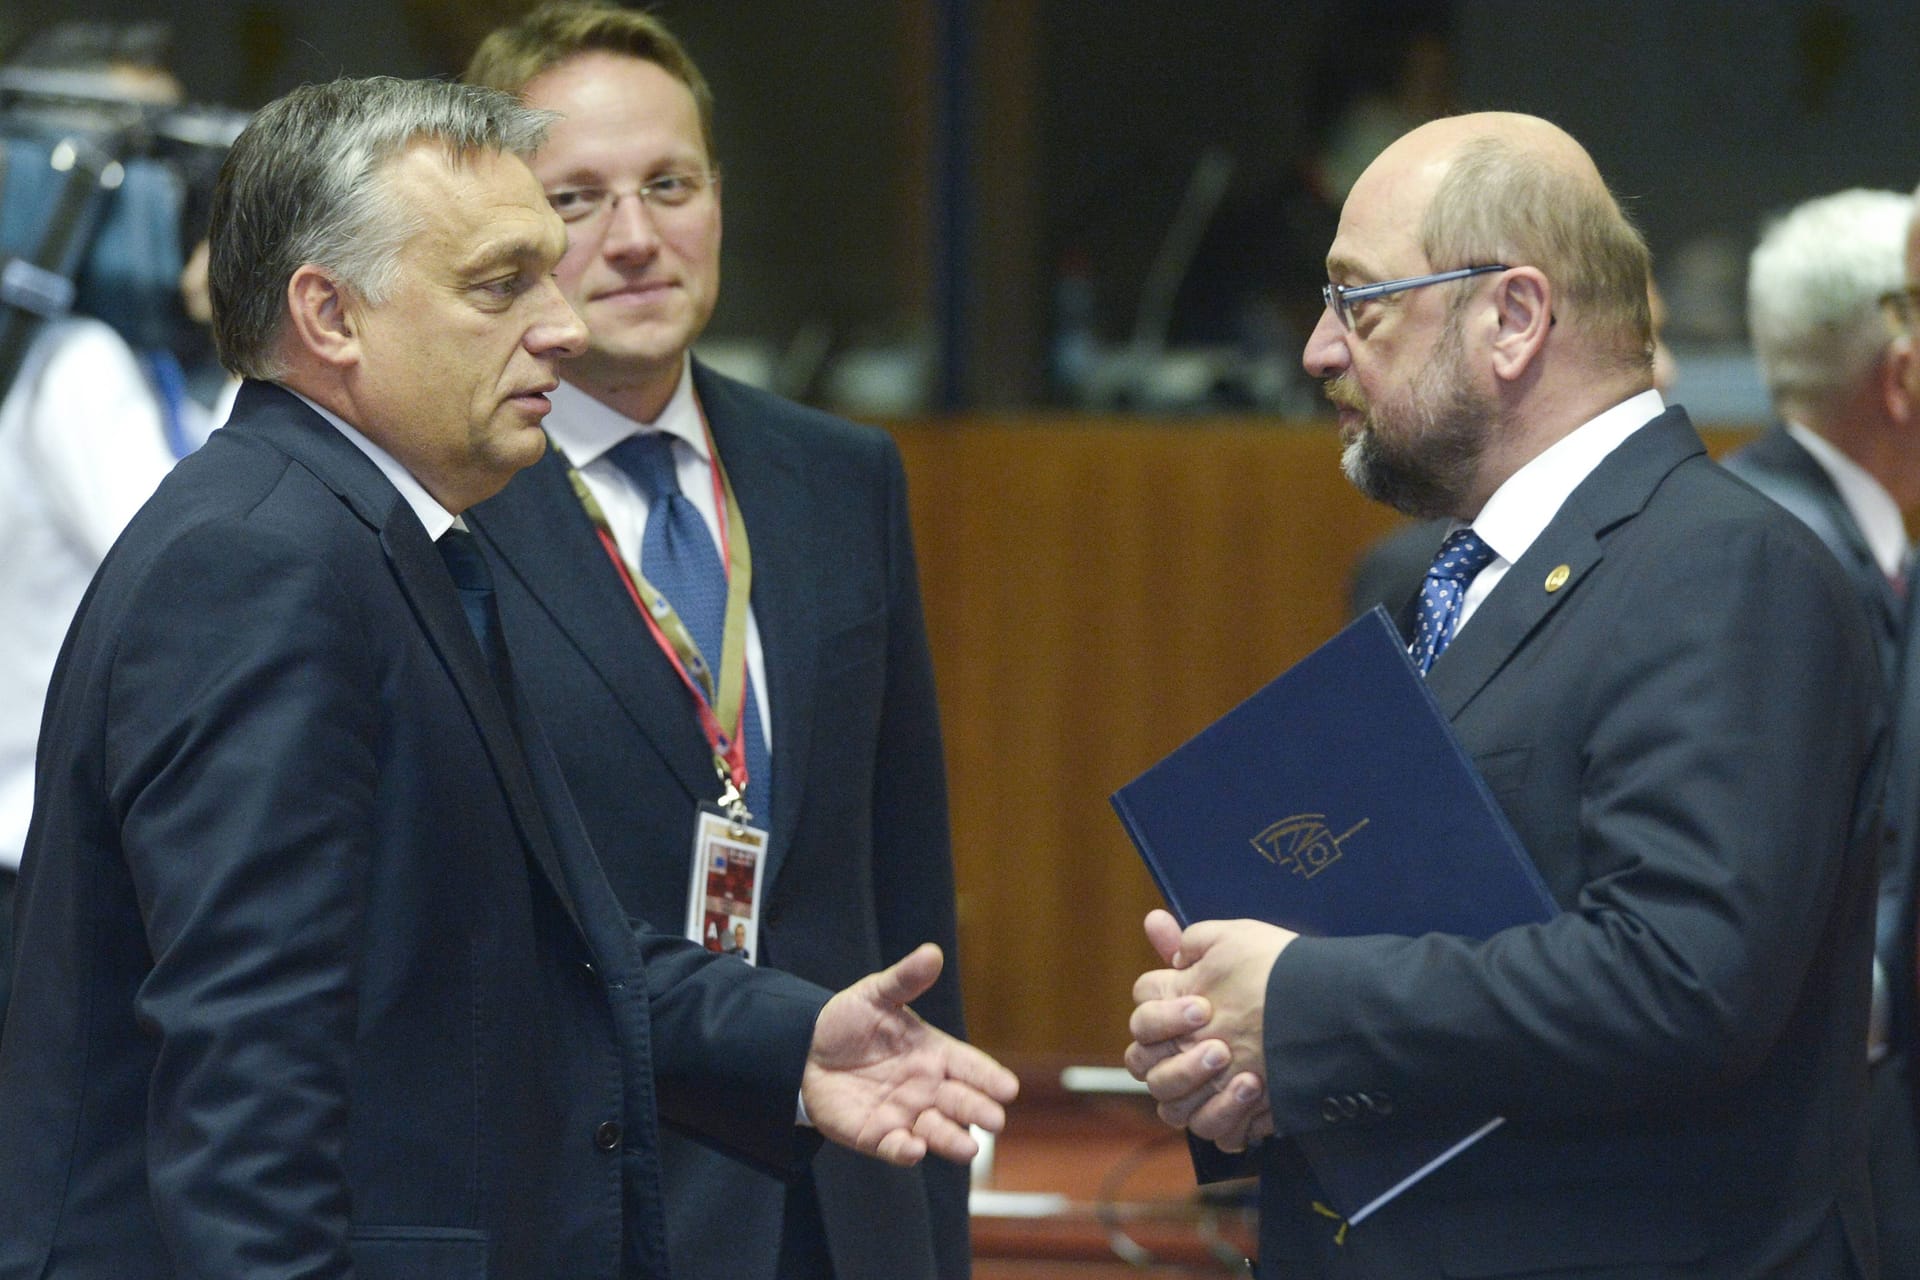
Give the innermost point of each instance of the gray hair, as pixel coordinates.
(305, 184)
(1813, 294)
(1503, 202)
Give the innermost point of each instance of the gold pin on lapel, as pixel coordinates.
(1558, 578)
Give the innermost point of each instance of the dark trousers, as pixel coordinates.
(803, 1235)
(1893, 1160)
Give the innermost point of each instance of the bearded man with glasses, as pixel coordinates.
(672, 495)
(1670, 689)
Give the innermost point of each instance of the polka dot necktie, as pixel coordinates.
(1461, 556)
(678, 558)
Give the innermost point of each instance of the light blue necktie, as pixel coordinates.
(1461, 556)
(678, 559)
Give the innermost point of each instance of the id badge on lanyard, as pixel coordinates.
(723, 899)
(729, 853)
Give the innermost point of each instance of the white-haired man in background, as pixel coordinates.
(1822, 284)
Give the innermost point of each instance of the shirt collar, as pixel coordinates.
(583, 428)
(435, 517)
(1871, 506)
(1521, 509)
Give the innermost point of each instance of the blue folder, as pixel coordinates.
(1337, 802)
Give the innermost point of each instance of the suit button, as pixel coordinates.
(1380, 1104)
(607, 1135)
(1330, 1110)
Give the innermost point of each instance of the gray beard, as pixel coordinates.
(1427, 468)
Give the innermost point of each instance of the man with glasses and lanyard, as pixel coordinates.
(1670, 689)
(712, 601)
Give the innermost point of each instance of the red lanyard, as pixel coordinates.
(714, 705)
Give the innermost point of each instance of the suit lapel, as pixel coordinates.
(1826, 510)
(1572, 541)
(539, 530)
(291, 427)
(767, 467)
(423, 578)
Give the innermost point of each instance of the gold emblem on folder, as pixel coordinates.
(1304, 844)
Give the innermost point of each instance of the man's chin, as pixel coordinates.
(1379, 480)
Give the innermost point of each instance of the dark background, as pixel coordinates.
(923, 195)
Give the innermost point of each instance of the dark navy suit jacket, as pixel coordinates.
(319, 975)
(859, 867)
(1779, 466)
(1679, 1054)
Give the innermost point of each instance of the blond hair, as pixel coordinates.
(512, 56)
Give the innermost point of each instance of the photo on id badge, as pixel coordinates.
(723, 905)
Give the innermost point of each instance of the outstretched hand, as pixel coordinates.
(883, 1082)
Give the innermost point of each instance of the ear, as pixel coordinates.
(1523, 304)
(322, 314)
(1897, 372)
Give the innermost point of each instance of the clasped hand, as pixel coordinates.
(1198, 1027)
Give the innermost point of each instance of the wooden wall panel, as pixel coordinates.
(1097, 592)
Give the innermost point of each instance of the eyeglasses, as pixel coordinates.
(1340, 298)
(661, 195)
(1900, 306)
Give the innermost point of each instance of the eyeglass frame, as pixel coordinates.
(1340, 298)
(648, 193)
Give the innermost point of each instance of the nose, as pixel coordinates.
(1326, 350)
(557, 333)
(629, 232)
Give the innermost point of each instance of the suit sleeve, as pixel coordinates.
(241, 757)
(1710, 857)
(727, 1042)
(730, 1043)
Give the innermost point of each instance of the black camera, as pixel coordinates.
(104, 183)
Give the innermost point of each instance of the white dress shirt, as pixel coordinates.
(1521, 509)
(435, 517)
(82, 447)
(1871, 506)
(583, 429)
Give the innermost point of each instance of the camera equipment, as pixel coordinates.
(99, 189)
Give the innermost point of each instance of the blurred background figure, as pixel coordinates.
(1822, 285)
(106, 182)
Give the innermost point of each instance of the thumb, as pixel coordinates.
(1198, 940)
(907, 979)
(1163, 931)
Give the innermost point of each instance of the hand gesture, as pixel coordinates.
(885, 1083)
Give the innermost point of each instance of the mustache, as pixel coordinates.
(1343, 393)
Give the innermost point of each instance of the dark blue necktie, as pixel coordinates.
(678, 559)
(1461, 556)
(472, 578)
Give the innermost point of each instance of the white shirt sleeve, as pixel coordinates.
(94, 429)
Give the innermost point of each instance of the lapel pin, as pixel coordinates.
(1558, 578)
